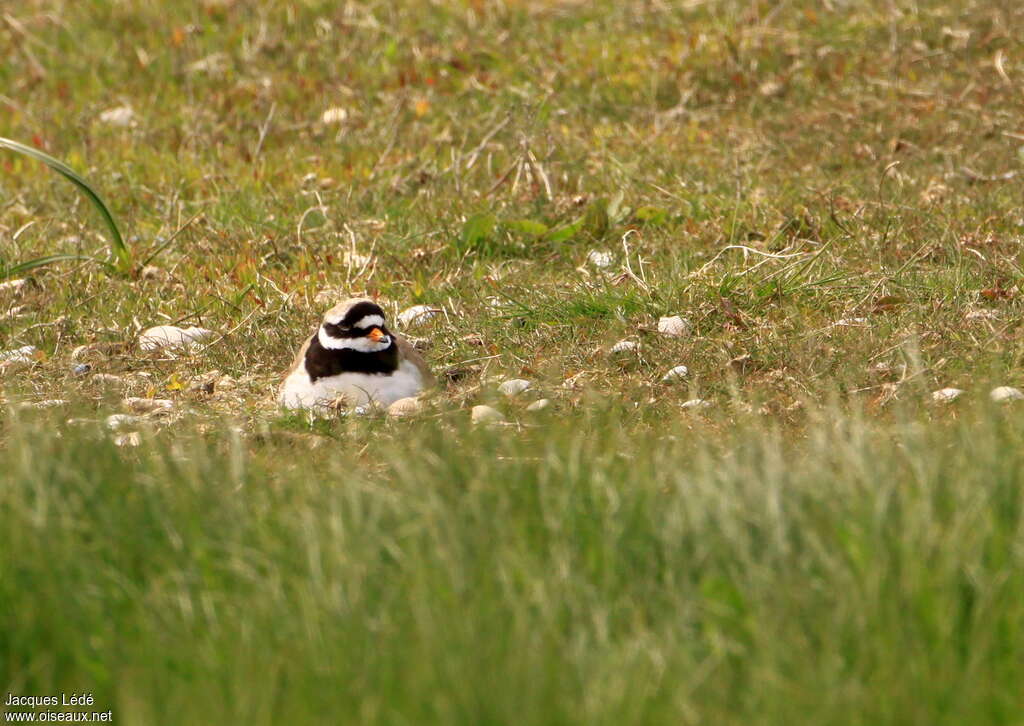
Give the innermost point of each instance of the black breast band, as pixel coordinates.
(324, 362)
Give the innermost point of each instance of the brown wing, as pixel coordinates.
(406, 349)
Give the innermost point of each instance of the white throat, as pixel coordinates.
(363, 345)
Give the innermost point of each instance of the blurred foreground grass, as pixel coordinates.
(564, 573)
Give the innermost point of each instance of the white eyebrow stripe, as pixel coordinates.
(369, 321)
(362, 345)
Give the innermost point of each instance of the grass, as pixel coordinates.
(546, 577)
(117, 245)
(827, 192)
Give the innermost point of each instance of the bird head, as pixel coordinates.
(357, 324)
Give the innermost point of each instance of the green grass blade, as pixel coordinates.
(117, 244)
(23, 267)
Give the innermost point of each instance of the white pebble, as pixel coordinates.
(171, 336)
(946, 395)
(120, 116)
(675, 374)
(1003, 394)
(600, 259)
(334, 116)
(625, 346)
(983, 314)
(24, 353)
(409, 406)
(486, 414)
(148, 405)
(514, 386)
(696, 403)
(213, 63)
(539, 405)
(107, 379)
(12, 286)
(674, 326)
(416, 314)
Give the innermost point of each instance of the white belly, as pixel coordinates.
(358, 388)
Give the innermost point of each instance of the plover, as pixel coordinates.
(353, 356)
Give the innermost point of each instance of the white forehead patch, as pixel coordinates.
(370, 321)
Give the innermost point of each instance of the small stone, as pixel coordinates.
(333, 116)
(625, 346)
(514, 386)
(213, 64)
(674, 326)
(850, 323)
(25, 352)
(107, 379)
(696, 403)
(677, 373)
(1004, 394)
(539, 405)
(130, 440)
(122, 422)
(416, 314)
(171, 336)
(81, 369)
(486, 414)
(147, 405)
(600, 259)
(13, 287)
(18, 359)
(120, 116)
(983, 314)
(405, 407)
(946, 395)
